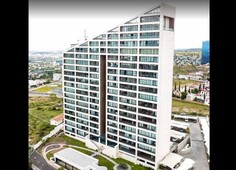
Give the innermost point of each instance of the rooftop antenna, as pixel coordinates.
(85, 36)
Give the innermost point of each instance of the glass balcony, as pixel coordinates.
(128, 94)
(93, 119)
(129, 108)
(127, 142)
(112, 124)
(93, 125)
(146, 156)
(128, 122)
(112, 137)
(129, 115)
(127, 128)
(146, 119)
(129, 87)
(147, 141)
(109, 117)
(112, 131)
(127, 149)
(147, 104)
(147, 112)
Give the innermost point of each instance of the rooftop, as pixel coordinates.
(77, 159)
(58, 118)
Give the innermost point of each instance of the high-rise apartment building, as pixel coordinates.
(117, 88)
(205, 52)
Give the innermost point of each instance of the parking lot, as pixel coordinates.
(198, 151)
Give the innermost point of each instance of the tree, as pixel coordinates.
(175, 85)
(122, 166)
(179, 85)
(200, 86)
(195, 91)
(185, 88)
(183, 95)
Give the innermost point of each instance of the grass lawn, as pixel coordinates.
(49, 155)
(41, 110)
(104, 162)
(83, 151)
(44, 89)
(184, 82)
(180, 106)
(133, 166)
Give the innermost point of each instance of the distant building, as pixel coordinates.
(57, 76)
(205, 52)
(57, 120)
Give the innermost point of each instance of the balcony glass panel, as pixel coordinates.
(146, 35)
(82, 56)
(148, 27)
(154, 18)
(147, 127)
(129, 36)
(147, 104)
(147, 112)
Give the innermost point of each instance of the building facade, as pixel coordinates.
(205, 52)
(117, 88)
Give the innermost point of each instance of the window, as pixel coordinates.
(82, 56)
(128, 51)
(154, 18)
(149, 51)
(149, 35)
(149, 27)
(149, 43)
(148, 82)
(129, 28)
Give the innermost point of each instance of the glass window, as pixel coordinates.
(82, 56)
(148, 82)
(82, 50)
(112, 36)
(147, 97)
(113, 43)
(93, 56)
(148, 59)
(129, 28)
(128, 65)
(67, 61)
(128, 51)
(153, 18)
(149, 43)
(149, 51)
(93, 43)
(112, 57)
(128, 43)
(82, 62)
(129, 36)
(148, 66)
(149, 27)
(69, 67)
(68, 55)
(113, 50)
(149, 35)
(93, 50)
(128, 58)
(81, 68)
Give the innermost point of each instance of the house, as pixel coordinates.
(57, 120)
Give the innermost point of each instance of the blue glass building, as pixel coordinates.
(205, 52)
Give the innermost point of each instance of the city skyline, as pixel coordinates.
(55, 26)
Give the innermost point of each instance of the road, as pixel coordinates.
(198, 151)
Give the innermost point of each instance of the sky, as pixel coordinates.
(56, 24)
